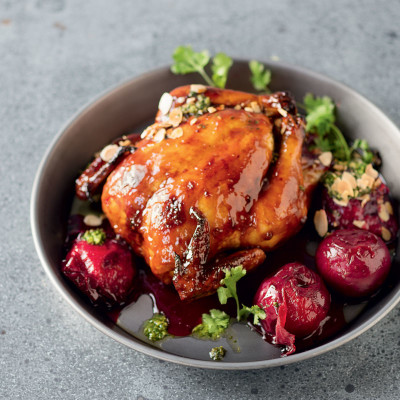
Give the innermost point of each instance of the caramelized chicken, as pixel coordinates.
(216, 181)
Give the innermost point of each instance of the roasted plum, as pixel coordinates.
(354, 262)
(295, 301)
(104, 272)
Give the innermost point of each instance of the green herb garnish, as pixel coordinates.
(213, 324)
(199, 107)
(187, 61)
(320, 118)
(232, 276)
(260, 77)
(94, 236)
(155, 328)
(217, 353)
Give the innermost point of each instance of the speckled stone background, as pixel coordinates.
(55, 56)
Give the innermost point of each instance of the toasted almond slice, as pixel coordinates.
(282, 112)
(160, 135)
(92, 220)
(389, 208)
(383, 213)
(109, 152)
(365, 199)
(237, 107)
(255, 106)
(193, 121)
(377, 183)
(181, 100)
(125, 142)
(325, 158)
(176, 133)
(339, 167)
(321, 222)
(148, 132)
(369, 170)
(198, 88)
(343, 203)
(211, 110)
(358, 224)
(365, 182)
(165, 103)
(248, 109)
(191, 100)
(349, 178)
(386, 235)
(175, 117)
(342, 187)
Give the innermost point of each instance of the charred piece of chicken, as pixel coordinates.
(218, 179)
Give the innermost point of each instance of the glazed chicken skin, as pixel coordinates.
(211, 187)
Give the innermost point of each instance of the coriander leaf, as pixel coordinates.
(217, 353)
(94, 236)
(260, 77)
(231, 277)
(220, 68)
(188, 61)
(320, 118)
(213, 324)
(257, 312)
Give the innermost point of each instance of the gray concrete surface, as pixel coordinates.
(55, 56)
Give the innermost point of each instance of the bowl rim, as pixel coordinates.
(157, 352)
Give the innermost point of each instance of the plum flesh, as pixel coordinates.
(354, 262)
(295, 301)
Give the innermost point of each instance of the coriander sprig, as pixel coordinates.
(228, 290)
(320, 118)
(260, 76)
(187, 61)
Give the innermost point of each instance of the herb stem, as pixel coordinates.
(342, 140)
(205, 76)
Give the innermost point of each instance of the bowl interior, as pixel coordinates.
(127, 109)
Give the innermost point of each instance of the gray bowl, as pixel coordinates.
(129, 107)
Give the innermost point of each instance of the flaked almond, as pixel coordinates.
(248, 109)
(193, 121)
(343, 187)
(343, 203)
(325, 158)
(388, 207)
(191, 100)
(211, 110)
(125, 142)
(237, 107)
(365, 182)
(92, 220)
(180, 100)
(349, 178)
(148, 133)
(369, 170)
(109, 152)
(321, 222)
(255, 106)
(383, 213)
(377, 183)
(160, 135)
(165, 103)
(282, 112)
(339, 167)
(365, 199)
(386, 235)
(198, 88)
(176, 133)
(175, 117)
(358, 224)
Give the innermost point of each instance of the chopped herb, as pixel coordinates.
(213, 325)
(302, 188)
(320, 118)
(94, 236)
(217, 353)
(186, 61)
(155, 328)
(197, 108)
(260, 77)
(361, 148)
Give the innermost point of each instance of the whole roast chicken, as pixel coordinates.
(216, 181)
